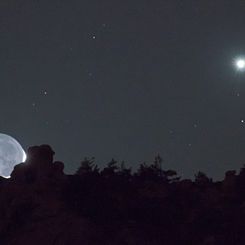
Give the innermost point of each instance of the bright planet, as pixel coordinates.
(11, 154)
(240, 64)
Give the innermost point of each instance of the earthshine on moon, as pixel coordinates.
(11, 154)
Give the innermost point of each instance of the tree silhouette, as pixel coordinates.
(87, 167)
(110, 169)
(201, 179)
(124, 171)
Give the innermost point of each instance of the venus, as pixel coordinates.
(240, 64)
(11, 154)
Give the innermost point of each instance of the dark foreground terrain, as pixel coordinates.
(39, 204)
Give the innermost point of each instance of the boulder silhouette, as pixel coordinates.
(38, 165)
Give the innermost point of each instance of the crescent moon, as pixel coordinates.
(11, 154)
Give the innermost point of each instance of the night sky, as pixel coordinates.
(126, 79)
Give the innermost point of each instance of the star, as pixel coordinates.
(171, 131)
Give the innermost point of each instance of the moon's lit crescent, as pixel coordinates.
(11, 154)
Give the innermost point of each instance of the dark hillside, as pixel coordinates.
(39, 204)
